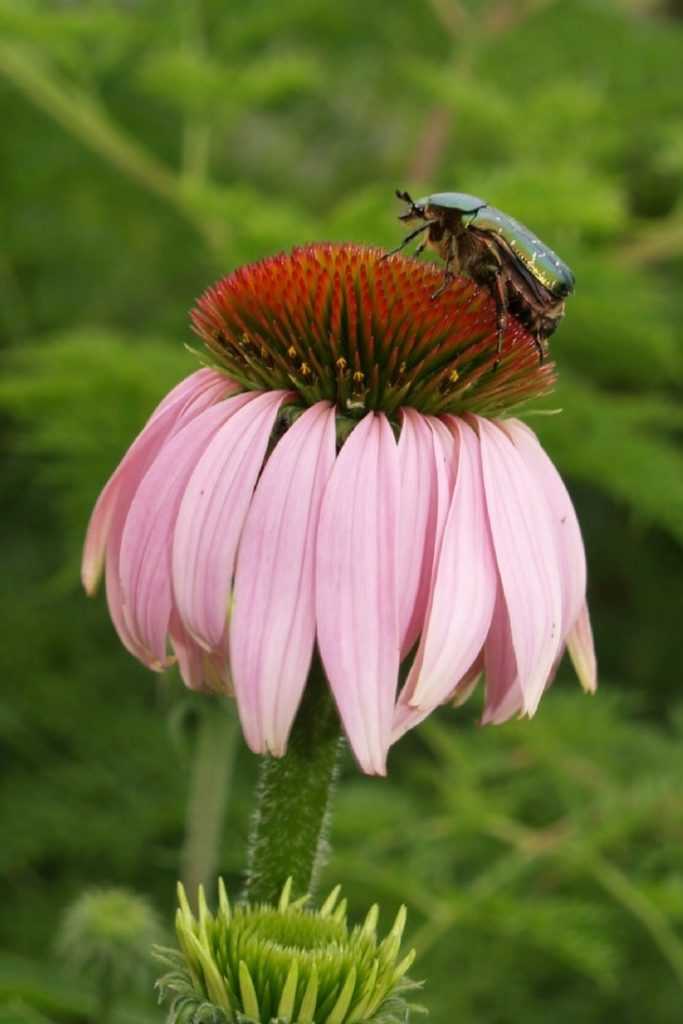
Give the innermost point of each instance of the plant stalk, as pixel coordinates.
(210, 781)
(290, 826)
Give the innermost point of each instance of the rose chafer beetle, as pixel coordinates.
(524, 276)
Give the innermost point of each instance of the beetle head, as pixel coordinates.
(415, 211)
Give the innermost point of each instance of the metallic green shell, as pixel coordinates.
(460, 201)
(539, 259)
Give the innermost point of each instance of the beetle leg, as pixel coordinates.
(538, 342)
(421, 248)
(500, 296)
(448, 274)
(448, 277)
(408, 238)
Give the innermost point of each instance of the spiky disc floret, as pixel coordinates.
(286, 964)
(342, 323)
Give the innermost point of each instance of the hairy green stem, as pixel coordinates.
(289, 830)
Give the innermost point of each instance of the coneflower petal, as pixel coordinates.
(447, 455)
(444, 455)
(272, 626)
(572, 557)
(145, 562)
(357, 587)
(114, 595)
(464, 589)
(418, 523)
(212, 513)
(582, 651)
(122, 483)
(191, 387)
(527, 559)
(120, 488)
(199, 669)
(466, 686)
(106, 529)
(188, 654)
(406, 716)
(504, 697)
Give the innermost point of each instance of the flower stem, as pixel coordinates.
(289, 830)
(210, 781)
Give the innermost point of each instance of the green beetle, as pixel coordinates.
(523, 275)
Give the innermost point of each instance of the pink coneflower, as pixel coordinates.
(347, 475)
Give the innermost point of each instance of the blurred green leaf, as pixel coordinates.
(80, 399)
(623, 445)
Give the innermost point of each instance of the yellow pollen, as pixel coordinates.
(453, 376)
(359, 377)
(291, 352)
(402, 367)
(305, 370)
(341, 363)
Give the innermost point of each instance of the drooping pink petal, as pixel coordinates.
(188, 654)
(464, 588)
(469, 682)
(189, 387)
(582, 651)
(109, 518)
(272, 626)
(444, 459)
(504, 696)
(121, 487)
(114, 595)
(357, 587)
(406, 716)
(215, 387)
(187, 399)
(447, 451)
(572, 557)
(417, 525)
(212, 514)
(527, 559)
(145, 560)
(199, 669)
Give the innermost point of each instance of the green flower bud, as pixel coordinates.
(106, 937)
(284, 964)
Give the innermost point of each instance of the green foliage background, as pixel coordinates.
(150, 146)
